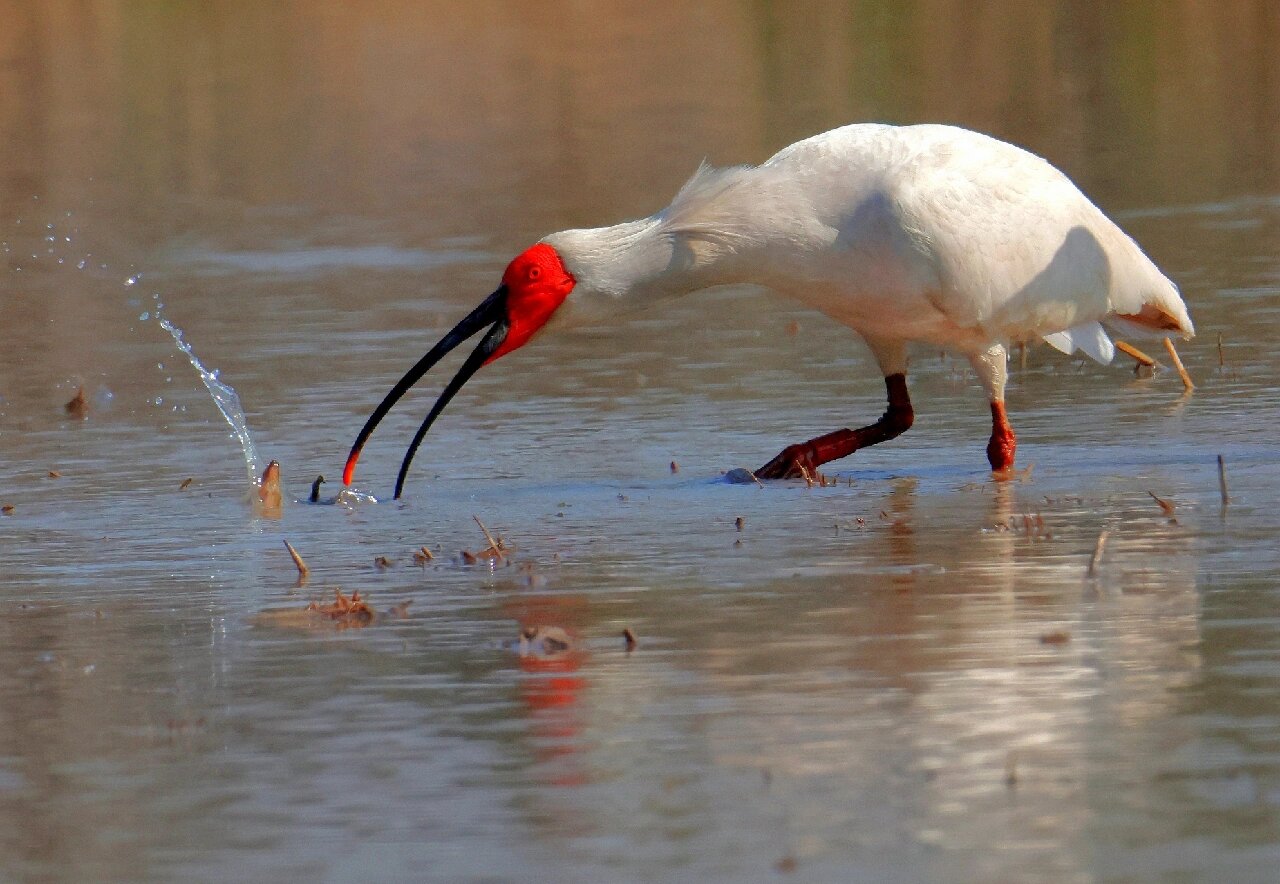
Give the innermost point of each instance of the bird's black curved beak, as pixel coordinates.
(492, 312)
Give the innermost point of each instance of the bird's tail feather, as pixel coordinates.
(1092, 339)
(1151, 321)
(1089, 337)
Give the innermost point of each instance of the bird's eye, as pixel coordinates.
(533, 272)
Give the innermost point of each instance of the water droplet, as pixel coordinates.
(132, 280)
(155, 296)
(80, 264)
(159, 365)
(143, 317)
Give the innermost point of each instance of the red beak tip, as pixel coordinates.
(349, 471)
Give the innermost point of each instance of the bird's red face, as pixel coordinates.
(534, 286)
(537, 284)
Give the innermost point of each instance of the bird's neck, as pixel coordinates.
(634, 263)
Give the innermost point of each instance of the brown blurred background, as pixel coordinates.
(575, 113)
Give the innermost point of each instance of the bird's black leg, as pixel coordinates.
(795, 460)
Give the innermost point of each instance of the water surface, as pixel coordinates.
(903, 676)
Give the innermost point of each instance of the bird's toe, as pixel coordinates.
(793, 462)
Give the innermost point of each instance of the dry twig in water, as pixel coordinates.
(806, 475)
(675, 467)
(494, 545)
(348, 611)
(303, 570)
(1166, 506)
(629, 638)
(1222, 481)
(1142, 359)
(186, 483)
(1097, 552)
(422, 556)
(1177, 363)
(1130, 350)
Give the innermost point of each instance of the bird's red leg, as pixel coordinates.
(794, 460)
(1003, 444)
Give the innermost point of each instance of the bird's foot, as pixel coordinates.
(793, 462)
(1000, 455)
(1003, 445)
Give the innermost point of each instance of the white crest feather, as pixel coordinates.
(721, 205)
(699, 195)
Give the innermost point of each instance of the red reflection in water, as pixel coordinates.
(553, 687)
(555, 720)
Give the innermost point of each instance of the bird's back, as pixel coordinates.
(941, 234)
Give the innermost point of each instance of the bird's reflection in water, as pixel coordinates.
(949, 690)
(899, 508)
(551, 659)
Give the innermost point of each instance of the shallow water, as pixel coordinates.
(906, 675)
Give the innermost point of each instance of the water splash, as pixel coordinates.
(223, 396)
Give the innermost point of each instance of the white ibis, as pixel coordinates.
(917, 233)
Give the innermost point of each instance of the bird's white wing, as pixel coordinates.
(1020, 250)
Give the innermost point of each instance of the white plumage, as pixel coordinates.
(920, 233)
(929, 233)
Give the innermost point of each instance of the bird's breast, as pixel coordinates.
(870, 274)
(888, 311)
